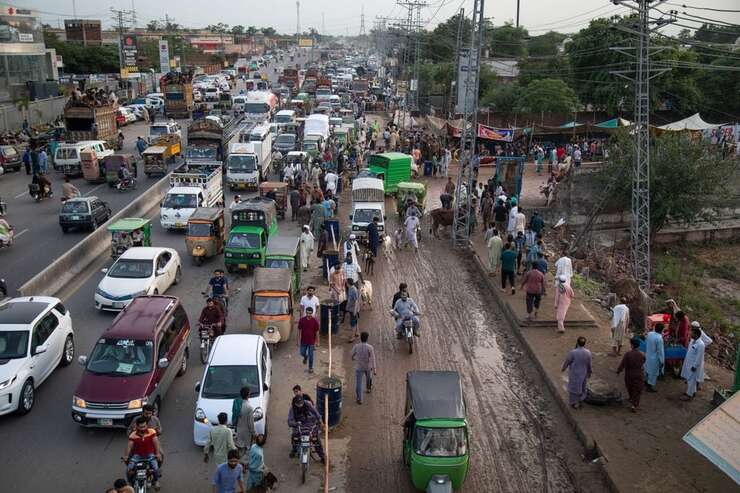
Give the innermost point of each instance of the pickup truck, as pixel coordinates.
(247, 165)
(192, 186)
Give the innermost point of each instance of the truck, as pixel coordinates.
(310, 81)
(360, 87)
(253, 222)
(247, 165)
(192, 185)
(290, 79)
(260, 106)
(368, 202)
(323, 89)
(87, 119)
(178, 94)
(206, 140)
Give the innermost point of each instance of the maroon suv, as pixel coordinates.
(133, 363)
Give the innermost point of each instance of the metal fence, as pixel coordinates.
(42, 111)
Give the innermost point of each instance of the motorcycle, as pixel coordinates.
(306, 441)
(206, 334)
(9, 242)
(3, 289)
(34, 190)
(142, 477)
(3, 207)
(407, 332)
(127, 184)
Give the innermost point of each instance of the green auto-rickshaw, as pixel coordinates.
(283, 253)
(128, 232)
(408, 191)
(435, 443)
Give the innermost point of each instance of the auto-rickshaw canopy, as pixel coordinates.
(272, 279)
(128, 224)
(208, 214)
(286, 246)
(435, 394)
(259, 210)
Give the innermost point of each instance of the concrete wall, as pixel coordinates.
(75, 261)
(43, 111)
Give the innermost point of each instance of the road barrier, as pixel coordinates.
(76, 260)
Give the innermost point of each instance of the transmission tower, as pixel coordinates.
(122, 20)
(362, 21)
(323, 24)
(641, 76)
(465, 176)
(413, 27)
(298, 18)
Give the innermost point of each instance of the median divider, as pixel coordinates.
(77, 259)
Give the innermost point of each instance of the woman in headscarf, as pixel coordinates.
(563, 296)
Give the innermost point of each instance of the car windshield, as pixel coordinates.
(126, 268)
(256, 108)
(225, 382)
(75, 207)
(180, 201)
(199, 229)
(278, 263)
(283, 119)
(440, 442)
(120, 357)
(158, 130)
(13, 344)
(241, 164)
(200, 153)
(66, 153)
(9, 151)
(310, 146)
(271, 305)
(244, 240)
(286, 139)
(365, 215)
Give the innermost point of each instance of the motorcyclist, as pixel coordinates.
(124, 175)
(213, 316)
(69, 191)
(219, 286)
(152, 421)
(304, 415)
(143, 445)
(405, 308)
(401, 288)
(6, 233)
(43, 183)
(411, 208)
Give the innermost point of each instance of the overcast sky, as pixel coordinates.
(343, 16)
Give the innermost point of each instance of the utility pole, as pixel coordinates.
(517, 13)
(413, 28)
(469, 132)
(362, 21)
(641, 76)
(133, 15)
(323, 24)
(298, 18)
(458, 49)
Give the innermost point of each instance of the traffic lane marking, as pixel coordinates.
(16, 236)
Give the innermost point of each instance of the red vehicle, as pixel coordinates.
(133, 363)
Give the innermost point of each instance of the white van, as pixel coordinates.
(368, 201)
(67, 156)
(261, 133)
(157, 130)
(238, 103)
(285, 117)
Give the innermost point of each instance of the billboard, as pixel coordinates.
(305, 43)
(20, 31)
(129, 54)
(462, 78)
(164, 56)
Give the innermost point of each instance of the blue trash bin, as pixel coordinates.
(428, 168)
(332, 387)
(330, 259)
(326, 307)
(333, 225)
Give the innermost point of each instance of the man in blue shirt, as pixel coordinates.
(229, 475)
(219, 284)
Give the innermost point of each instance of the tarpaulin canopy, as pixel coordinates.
(693, 122)
(613, 123)
(571, 125)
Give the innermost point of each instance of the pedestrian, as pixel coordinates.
(521, 221)
(140, 145)
(35, 167)
(693, 364)
(508, 267)
(228, 476)
(220, 440)
(308, 328)
(295, 204)
(337, 286)
(235, 201)
(634, 378)
(577, 158)
(242, 418)
(363, 355)
(541, 264)
(27, 160)
(373, 236)
(533, 284)
(309, 299)
(578, 364)
(520, 243)
(511, 224)
(449, 186)
(306, 248)
(43, 161)
(564, 266)
(620, 322)
(412, 224)
(495, 244)
(536, 224)
(256, 464)
(564, 295)
(500, 214)
(352, 307)
(654, 356)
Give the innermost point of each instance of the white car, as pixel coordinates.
(236, 361)
(138, 110)
(139, 271)
(36, 336)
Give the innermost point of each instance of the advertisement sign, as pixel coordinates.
(129, 54)
(164, 56)
(491, 133)
(462, 77)
(20, 31)
(305, 42)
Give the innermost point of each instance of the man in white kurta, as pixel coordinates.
(620, 322)
(654, 356)
(306, 247)
(693, 364)
(564, 267)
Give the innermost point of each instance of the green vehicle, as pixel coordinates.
(283, 253)
(312, 145)
(435, 441)
(252, 224)
(128, 232)
(411, 191)
(391, 167)
(341, 135)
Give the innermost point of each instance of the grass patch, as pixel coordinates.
(589, 287)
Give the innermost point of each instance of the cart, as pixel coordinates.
(277, 191)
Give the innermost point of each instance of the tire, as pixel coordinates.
(178, 277)
(156, 292)
(229, 268)
(304, 470)
(184, 366)
(204, 350)
(27, 398)
(411, 345)
(198, 261)
(68, 353)
(65, 229)
(94, 225)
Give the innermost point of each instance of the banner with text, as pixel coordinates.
(164, 56)
(491, 133)
(129, 54)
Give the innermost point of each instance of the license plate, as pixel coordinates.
(105, 422)
(179, 225)
(117, 304)
(242, 266)
(75, 218)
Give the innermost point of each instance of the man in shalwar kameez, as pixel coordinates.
(578, 364)
(654, 356)
(693, 364)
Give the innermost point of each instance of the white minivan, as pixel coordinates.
(235, 361)
(67, 156)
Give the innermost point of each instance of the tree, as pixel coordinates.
(689, 180)
(439, 44)
(237, 29)
(549, 95)
(501, 97)
(268, 31)
(219, 28)
(80, 59)
(251, 31)
(154, 25)
(507, 41)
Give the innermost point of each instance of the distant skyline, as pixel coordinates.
(342, 17)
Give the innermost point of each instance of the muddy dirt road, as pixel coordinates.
(519, 440)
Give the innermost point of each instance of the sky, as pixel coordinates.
(342, 17)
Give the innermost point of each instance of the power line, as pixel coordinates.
(701, 8)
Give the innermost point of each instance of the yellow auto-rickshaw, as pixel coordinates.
(271, 308)
(205, 233)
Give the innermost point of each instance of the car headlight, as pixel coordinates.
(200, 416)
(256, 255)
(380, 228)
(355, 228)
(77, 402)
(136, 403)
(228, 254)
(258, 415)
(7, 383)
